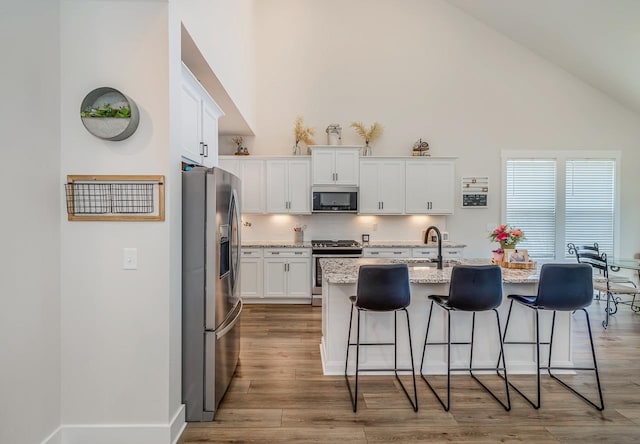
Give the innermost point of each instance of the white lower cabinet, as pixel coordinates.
(281, 275)
(251, 278)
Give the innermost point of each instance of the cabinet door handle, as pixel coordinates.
(206, 149)
(397, 252)
(336, 177)
(375, 252)
(382, 203)
(202, 148)
(275, 252)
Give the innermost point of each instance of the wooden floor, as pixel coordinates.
(279, 394)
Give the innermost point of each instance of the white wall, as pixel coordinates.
(425, 69)
(116, 324)
(223, 30)
(30, 190)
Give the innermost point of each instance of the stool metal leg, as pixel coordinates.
(414, 401)
(535, 405)
(506, 406)
(594, 368)
(549, 367)
(446, 405)
(353, 394)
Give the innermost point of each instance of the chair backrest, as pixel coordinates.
(566, 286)
(475, 288)
(383, 287)
(584, 253)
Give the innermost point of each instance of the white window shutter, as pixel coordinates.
(590, 202)
(531, 204)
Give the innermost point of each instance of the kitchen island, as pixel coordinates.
(339, 282)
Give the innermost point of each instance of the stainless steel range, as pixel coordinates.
(327, 249)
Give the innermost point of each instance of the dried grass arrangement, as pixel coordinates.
(368, 135)
(302, 133)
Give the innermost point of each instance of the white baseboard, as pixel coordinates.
(178, 424)
(54, 438)
(121, 433)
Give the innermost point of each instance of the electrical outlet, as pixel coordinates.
(130, 259)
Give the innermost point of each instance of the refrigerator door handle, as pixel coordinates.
(229, 323)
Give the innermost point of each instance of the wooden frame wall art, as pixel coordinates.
(133, 198)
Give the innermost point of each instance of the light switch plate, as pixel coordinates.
(130, 259)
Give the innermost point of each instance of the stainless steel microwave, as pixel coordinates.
(332, 199)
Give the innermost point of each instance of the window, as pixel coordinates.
(531, 204)
(589, 204)
(556, 197)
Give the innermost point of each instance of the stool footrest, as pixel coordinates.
(353, 344)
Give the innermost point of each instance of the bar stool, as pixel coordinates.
(562, 287)
(381, 288)
(472, 289)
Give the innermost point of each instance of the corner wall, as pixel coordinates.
(30, 187)
(116, 345)
(223, 30)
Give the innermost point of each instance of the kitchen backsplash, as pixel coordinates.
(338, 226)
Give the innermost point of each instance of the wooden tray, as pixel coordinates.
(516, 265)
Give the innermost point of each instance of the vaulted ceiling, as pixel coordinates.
(597, 41)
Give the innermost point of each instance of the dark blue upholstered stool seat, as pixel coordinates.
(472, 289)
(381, 288)
(562, 287)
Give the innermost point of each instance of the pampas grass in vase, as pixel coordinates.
(302, 134)
(369, 135)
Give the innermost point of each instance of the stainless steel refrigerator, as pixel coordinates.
(211, 304)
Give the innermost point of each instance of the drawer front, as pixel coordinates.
(426, 253)
(452, 253)
(387, 252)
(287, 252)
(251, 252)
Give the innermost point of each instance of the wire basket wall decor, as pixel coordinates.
(115, 198)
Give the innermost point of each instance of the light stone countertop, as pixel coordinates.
(410, 244)
(372, 244)
(345, 271)
(275, 244)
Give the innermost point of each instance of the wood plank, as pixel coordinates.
(280, 395)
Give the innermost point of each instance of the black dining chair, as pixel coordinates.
(381, 288)
(562, 287)
(586, 254)
(472, 289)
(612, 286)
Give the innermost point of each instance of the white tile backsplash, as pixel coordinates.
(339, 226)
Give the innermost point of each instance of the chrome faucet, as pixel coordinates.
(439, 235)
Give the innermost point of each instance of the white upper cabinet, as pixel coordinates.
(335, 165)
(382, 187)
(430, 186)
(253, 190)
(252, 176)
(288, 186)
(199, 116)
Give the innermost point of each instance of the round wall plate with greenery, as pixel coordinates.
(108, 114)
